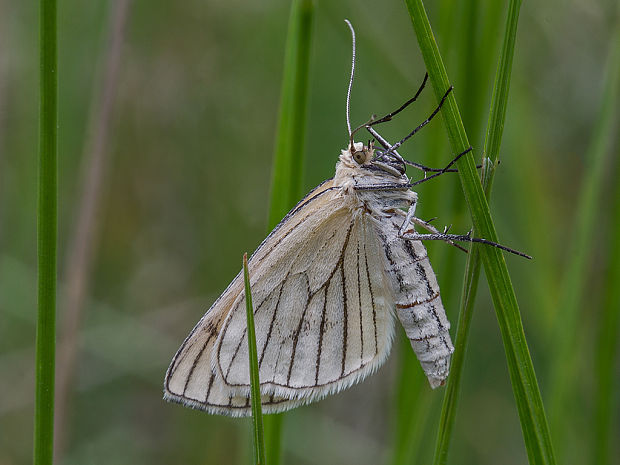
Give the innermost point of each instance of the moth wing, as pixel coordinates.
(322, 313)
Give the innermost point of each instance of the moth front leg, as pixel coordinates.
(408, 218)
(392, 196)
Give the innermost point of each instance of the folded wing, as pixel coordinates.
(321, 310)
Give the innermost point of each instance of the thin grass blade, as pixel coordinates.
(287, 178)
(492, 143)
(522, 376)
(257, 412)
(47, 231)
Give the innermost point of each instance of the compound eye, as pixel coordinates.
(359, 157)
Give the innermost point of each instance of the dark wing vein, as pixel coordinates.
(345, 325)
(273, 319)
(372, 299)
(359, 302)
(195, 363)
(243, 336)
(321, 332)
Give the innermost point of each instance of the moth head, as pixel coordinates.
(361, 153)
(366, 157)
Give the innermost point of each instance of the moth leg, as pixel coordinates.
(395, 186)
(411, 218)
(408, 218)
(426, 169)
(429, 227)
(421, 125)
(390, 115)
(415, 236)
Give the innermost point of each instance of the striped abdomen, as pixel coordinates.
(417, 299)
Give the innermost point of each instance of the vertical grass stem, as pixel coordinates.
(286, 186)
(46, 237)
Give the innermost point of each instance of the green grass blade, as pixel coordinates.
(499, 99)
(495, 128)
(411, 406)
(522, 376)
(286, 186)
(273, 437)
(563, 369)
(257, 413)
(47, 231)
(411, 412)
(287, 179)
(451, 397)
(606, 403)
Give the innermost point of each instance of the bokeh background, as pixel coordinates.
(168, 114)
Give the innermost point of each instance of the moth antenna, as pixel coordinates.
(350, 83)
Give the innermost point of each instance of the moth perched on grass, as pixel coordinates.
(326, 283)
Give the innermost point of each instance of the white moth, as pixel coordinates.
(326, 284)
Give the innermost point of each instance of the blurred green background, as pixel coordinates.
(184, 165)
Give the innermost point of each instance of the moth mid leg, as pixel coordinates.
(412, 235)
(411, 218)
(432, 229)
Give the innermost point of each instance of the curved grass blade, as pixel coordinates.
(286, 184)
(257, 413)
(563, 374)
(522, 376)
(47, 231)
(492, 143)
